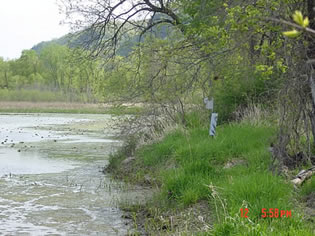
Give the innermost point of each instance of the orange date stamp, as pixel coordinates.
(269, 213)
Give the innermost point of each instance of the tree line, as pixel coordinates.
(55, 68)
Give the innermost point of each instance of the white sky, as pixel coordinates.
(24, 23)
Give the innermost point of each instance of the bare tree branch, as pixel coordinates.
(107, 21)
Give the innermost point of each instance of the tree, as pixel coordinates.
(54, 62)
(310, 60)
(4, 74)
(298, 105)
(28, 66)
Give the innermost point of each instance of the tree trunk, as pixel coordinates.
(311, 12)
(311, 55)
(6, 79)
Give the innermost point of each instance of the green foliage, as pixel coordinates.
(234, 92)
(301, 21)
(57, 68)
(308, 187)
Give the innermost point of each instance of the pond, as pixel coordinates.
(51, 176)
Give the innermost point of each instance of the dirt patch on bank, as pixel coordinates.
(152, 220)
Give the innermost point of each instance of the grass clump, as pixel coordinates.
(308, 187)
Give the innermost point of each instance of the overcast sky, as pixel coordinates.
(24, 23)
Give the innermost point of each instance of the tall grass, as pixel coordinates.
(257, 115)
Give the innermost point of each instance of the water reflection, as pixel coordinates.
(14, 161)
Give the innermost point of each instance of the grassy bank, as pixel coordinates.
(64, 107)
(221, 174)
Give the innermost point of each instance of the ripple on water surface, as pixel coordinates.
(44, 195)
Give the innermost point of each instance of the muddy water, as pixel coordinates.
(51, 181)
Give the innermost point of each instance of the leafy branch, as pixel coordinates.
(301, 24)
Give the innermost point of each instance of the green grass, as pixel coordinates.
(186, 162)
(200, 158)
(308, 187)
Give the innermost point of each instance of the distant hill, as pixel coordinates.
(125, 47)
(73, 41)
(64, 40)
